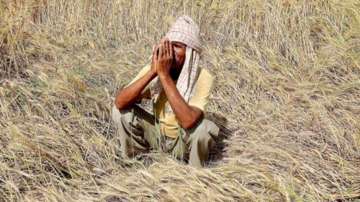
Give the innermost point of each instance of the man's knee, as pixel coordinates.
(115, 114)
(204, 130)
(121, 115)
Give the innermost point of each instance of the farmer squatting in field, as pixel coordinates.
(162, 108)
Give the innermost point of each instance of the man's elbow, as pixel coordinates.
(122, 103)
(188, 125)
(119, 103)
(193, 121)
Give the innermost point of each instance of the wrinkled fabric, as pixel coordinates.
(168, 122)
(136, 134)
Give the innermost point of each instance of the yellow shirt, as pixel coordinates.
(168, 122)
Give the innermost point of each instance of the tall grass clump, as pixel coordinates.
(287, 89)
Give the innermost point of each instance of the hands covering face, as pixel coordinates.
(162, 59)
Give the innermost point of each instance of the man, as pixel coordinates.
(162, 108)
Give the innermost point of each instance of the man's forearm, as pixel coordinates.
(186, 114)
(127, 96)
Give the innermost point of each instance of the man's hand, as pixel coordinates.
(164, 59)
(153, 64)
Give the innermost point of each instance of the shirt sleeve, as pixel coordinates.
(202, 89)
(141, 73)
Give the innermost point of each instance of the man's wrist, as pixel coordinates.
(152, 73)
(163, 74)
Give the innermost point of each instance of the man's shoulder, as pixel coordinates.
(205, 76)
(140, 73)
(203, 89)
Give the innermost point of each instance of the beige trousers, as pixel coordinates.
(137, 134)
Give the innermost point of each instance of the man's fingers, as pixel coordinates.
(154, 51)
(166, 47)
(171, 51)
(162, 40)
(161, 50)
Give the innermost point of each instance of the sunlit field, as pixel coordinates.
(286, 96)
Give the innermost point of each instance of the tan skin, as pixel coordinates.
(167, 61)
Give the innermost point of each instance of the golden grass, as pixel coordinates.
(288, 83)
